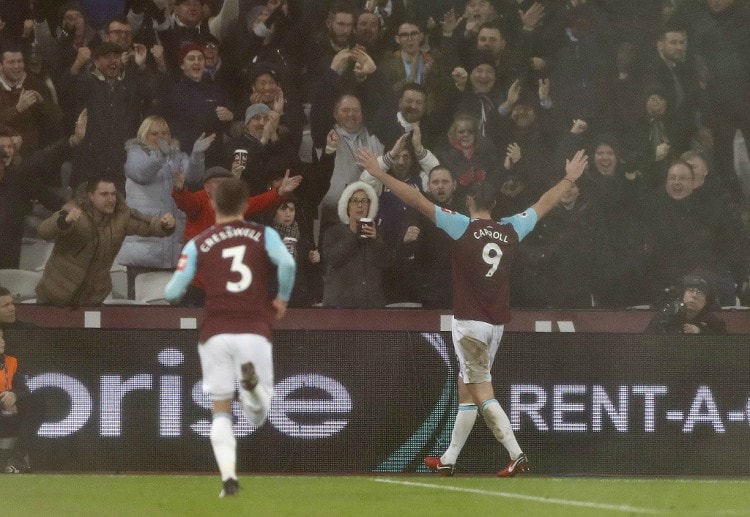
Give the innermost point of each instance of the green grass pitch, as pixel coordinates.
(41, 495)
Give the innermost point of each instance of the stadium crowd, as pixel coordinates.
(447, 93)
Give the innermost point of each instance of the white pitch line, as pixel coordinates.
(536, 499)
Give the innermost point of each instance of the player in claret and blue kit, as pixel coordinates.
(483, 253)
(234, 258)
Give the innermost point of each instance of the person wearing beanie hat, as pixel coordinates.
(262, 138)
(189, 22)
(480, 96)
(691, 312)
(195, 104)
(354, 253)
(256, 110)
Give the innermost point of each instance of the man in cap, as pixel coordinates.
(691, 313)
(116, 101)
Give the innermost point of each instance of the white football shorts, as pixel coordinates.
(476, 344)
(221, 358)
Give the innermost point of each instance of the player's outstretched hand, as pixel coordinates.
(279, 306)
(368, 161)
(576, 165)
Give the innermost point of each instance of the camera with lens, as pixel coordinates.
(673, 308)
(676, 310)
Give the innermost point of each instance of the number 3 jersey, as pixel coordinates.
(483, 254)
(234, 260)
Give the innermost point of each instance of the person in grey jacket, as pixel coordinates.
(152, 160)
(354, 254)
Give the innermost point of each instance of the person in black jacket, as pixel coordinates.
(20, 182)
(691, 313)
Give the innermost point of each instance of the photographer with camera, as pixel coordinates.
(689, 313)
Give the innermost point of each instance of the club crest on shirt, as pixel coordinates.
(447, 210)
(182, 262)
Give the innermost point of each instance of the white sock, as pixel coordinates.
(498, 422)
(467, 415)
(255, 404)
(224, 445)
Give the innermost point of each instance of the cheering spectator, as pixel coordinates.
(424, 254)
(200, 213)
(470, 157)
(187, 23)
(20, 183)
(685, 234)
(411, 64)
(195, 106)
(154, 157)
(26, 103)
(88, 233)
(115, 101)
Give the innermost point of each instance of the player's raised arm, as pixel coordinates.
(573, 170)
(285, 269)
(408, 194)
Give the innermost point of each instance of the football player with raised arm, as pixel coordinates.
(483, 252)
(234, 258)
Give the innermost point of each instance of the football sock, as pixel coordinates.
(255, 404)
(224, 445)
(498, 422)
(467, 415)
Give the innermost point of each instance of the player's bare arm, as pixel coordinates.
(573, 170)
(408, 194)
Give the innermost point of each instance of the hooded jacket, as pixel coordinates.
(77, 273)
(354, 265)
(148, 189)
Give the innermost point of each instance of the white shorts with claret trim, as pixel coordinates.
(223, 354)
(476, 344)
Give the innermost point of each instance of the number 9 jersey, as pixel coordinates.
(482, 258)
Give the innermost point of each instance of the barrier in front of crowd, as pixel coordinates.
(379, 401)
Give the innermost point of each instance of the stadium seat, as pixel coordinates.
(35, 253)
(119, 276)
(736, 307)
(21, 283)
(149, 287)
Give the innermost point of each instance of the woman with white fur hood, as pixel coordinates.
(153, 158)
(354, 254)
